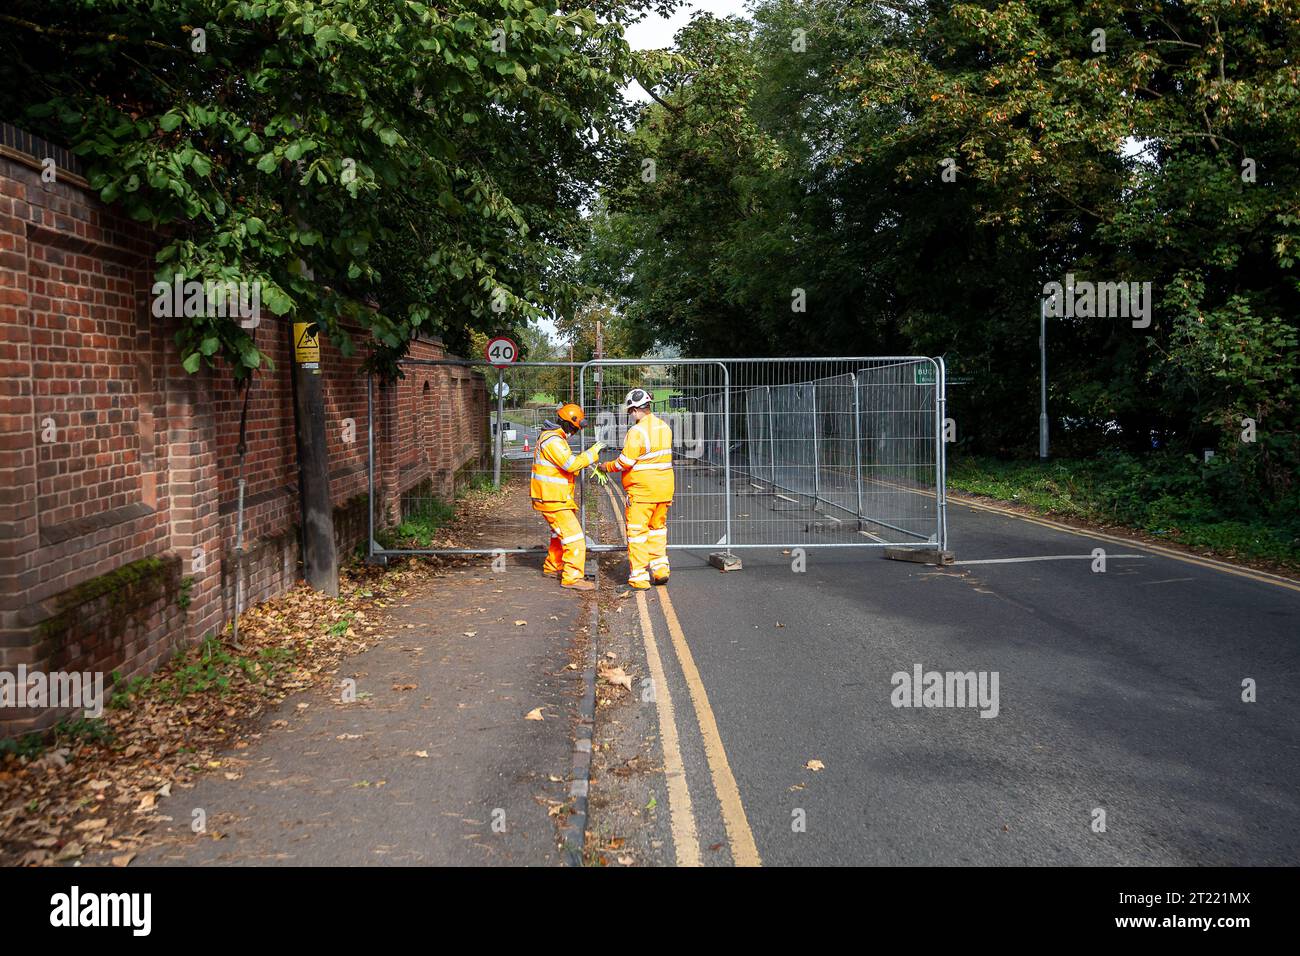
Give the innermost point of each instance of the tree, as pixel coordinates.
(916, 172)
(388, 165)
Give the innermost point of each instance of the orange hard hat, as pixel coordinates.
(571, 413)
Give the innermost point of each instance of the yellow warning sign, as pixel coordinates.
(306, 346)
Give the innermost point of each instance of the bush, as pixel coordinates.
(1202, 504)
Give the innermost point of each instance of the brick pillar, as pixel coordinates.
(193, 491)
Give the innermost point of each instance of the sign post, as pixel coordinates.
(319, 560)
(500, 352)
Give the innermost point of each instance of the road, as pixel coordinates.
(1118, 692)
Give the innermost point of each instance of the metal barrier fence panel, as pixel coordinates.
(827, 452)
(836, 452)
(699, 513)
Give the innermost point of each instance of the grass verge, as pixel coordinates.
(1170, 497)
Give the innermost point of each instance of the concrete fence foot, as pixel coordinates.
(919, 555)
(724, 561)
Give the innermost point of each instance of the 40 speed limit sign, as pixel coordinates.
(501, 351)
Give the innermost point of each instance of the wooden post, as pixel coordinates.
(319, 562)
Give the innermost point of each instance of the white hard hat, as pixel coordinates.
(637, 397)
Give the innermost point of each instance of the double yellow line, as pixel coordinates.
(740, 838)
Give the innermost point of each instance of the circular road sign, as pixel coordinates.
(501, 352)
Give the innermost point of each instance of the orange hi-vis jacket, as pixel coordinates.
(554, 466)
(647, 461)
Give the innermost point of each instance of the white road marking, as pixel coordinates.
(1046, 557)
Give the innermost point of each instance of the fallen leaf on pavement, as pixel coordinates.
(534, 714)
(815, 765)
(123, 860)
(615, 675)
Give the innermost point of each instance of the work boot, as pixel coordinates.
(583, 585)
(661, 579)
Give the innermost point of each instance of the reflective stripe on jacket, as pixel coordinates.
(647, 461)
(554, 465)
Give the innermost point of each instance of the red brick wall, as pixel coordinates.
(119, 471)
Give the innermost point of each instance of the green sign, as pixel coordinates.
(924, 375)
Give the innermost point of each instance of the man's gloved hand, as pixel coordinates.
(597, 448)
(600, 477)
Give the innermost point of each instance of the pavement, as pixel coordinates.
(434, 763)
(1121, 735)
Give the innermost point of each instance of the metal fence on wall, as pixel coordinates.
(456, 469)
(825, 452)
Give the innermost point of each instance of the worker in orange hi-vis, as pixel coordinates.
(551, 488)
(647, 467)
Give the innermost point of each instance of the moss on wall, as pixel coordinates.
(130, 590)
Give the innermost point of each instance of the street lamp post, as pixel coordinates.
(1042, 378)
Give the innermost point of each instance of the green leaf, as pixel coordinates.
(191, 363)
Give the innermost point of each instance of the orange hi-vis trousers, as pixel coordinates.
(568, 548)
(647, 542)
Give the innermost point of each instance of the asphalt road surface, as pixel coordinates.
(1118, 733)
